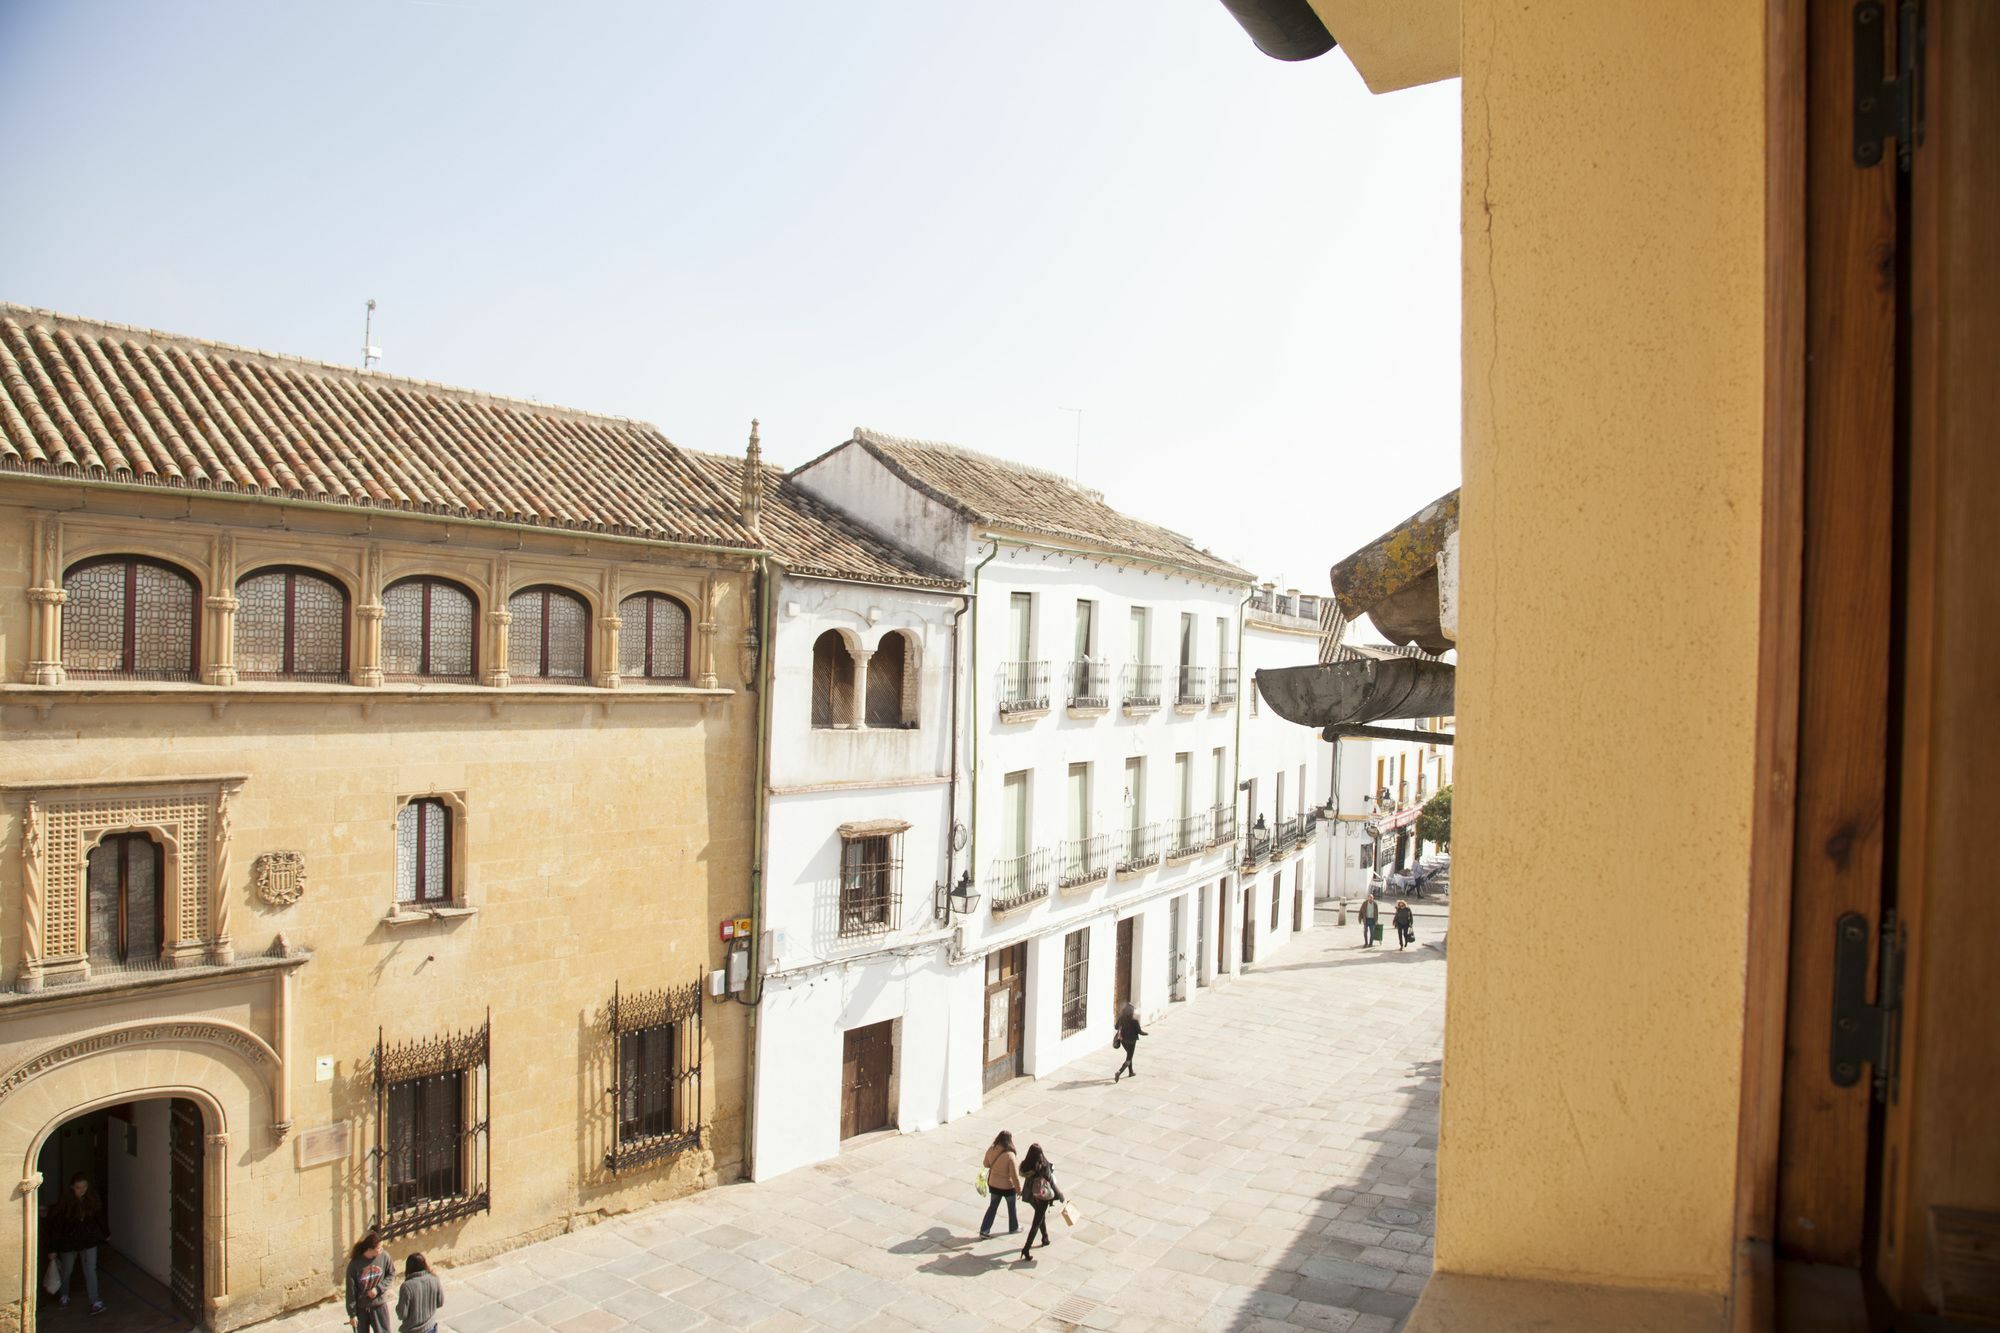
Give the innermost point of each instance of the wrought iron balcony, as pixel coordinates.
(1139, 848)
(1089, 685)
(1309, 826)
(1142, 687)
(1225, 686)
(1287, 835)
(1222, 821)
(1085, 861)
(1256, 847)
(1188, 836)
(1024, 688)
(1191, 688)
(1018, 881)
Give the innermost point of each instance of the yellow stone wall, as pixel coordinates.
(1613, 344)
(604, 844)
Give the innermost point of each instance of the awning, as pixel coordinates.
(873, 828)
(1360, 690)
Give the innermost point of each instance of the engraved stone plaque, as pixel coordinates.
(326, 1143)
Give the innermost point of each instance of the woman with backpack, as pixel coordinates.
(1406, 924)
(1039, 1188)
(1003, 1181)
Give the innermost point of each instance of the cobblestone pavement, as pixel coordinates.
(1271, 1168)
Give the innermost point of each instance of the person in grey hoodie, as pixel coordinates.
(418, 1299)
(370, 1273)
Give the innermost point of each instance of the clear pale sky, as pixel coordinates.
(943, 220)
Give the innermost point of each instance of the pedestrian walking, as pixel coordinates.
(1128, 1035)
(1406, 924)
(1003, 1181)
(77, 1227)
(370, 1272)
(1039, 1188)
(418, 1299)
(1371, 912)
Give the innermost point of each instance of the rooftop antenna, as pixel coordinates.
(370, 353)
(1079, 441)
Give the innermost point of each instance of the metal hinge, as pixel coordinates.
(1891, 107)
(1865, 1033)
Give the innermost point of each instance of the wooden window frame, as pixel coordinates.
(129, 646)
(288, 669)
(649, 600)
(1076, 981)
(451, 896)
(122, 955)
(548, 592)
(677, 1009)
(429, 583)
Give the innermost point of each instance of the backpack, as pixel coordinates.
(1040, 1189)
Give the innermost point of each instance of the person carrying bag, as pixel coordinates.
(1000, 1179)
(1039, 1188)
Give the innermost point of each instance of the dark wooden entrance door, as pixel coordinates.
(1121, 985)
(1176, 959)
(1200, 932)
(1006, 1005)
(1299, 899)
(864, 1079)
(1249, 925)
(1222, 929)
(184, 1209)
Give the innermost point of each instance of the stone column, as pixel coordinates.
(366, 669)
(496, 667)
(220, 948)
(607, 662)
(709, 591)
(861, 656)
(32, 906)
(221, 668)
(46, 598)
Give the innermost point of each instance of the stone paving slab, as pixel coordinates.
(1271, 1168)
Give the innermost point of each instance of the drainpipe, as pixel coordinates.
(972, 839)
(951, 806)
(1243, 687)
(759, 813)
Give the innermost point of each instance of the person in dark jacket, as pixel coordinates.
(76, 1228)
(1370, 913)
(1039, 1188)
(370, 1273)
(1406, 924)
(1129, 1033)
(418, 1299)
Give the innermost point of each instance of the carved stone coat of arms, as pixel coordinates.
(280, 877)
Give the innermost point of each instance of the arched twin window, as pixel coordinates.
(890, 697)
(891, 701)
(291, 624)
(429, 630)
(833, 681)
(653, 638)
(548, 637)
(129, 617)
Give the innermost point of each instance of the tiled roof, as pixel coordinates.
(107, 402)
(993, 490)
(812, 538)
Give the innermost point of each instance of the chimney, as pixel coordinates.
(753, 485)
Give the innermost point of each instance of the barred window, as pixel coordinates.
(653, 642)
(122, 922)
(891, 684)
(423, 852)
(432, 1113)
(291, 624)
(833, 681)
(128, 617)
(1076, 980)
(549, 637)
(871, 877)
(429, 630)
(657, 1039)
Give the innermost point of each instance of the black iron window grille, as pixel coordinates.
(433, 1110)
(871, 884)
(1190, 834)
(1076, 981)
(652, 638)
(549, 638)
(291, 624)
(1139, 847)
(1142, 687)
(1085, 861)
(1224, 817)
(1089, 685)
(1020, 880)
(1257, 847)
(1225, 685)
(1192, 687)
(1288, 833)
(656, 1036)
(1024, 686)
(429, 630)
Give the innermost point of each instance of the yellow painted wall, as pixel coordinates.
(1612, 384)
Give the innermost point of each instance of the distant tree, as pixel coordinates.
(1434, 821)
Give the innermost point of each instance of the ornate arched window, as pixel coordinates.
(130, 617)
(548, 637)
(291, 624)
(653, 640)
(833, 681)
(123, 923)
(892, 683)
(429, 629)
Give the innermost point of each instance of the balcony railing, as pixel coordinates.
(1188, 836)
(1089, 685)
(1309, 826)
(1191, 689)
(1222, 822)
(1286, 835)
(1019, 880)
(1142, 687)
(1139, 848)
(1085, 861)
(1257, 847)
(1024, 687)
(1225, 686)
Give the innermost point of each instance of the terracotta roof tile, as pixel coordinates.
(107, 402)
(1012, 495)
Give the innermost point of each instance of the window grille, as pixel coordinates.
(1225, 684)
(833, 681)
(1089, 685)
(548, 637)
(1142, 686)
(871, 885)
(1139, 847)
(656, 1039)
(653, 641)
(1085, 861)
(1192, 686)
(433, 1111)
(1076, 981)
(123, 925)
(126, 617)
(423, 852)
(887, 696)
(291, 624)
(1024, 686)
(428, 630)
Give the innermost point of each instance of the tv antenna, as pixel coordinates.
(1079, 441)
(370, 353)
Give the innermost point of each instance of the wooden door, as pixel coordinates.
(1249, 924)
(1176, 958)
(1121, 985)
(1006, 1003)
(1222, 929)
(185, 1207)
(864, 1079)
(1200, 932)
(1299, 898)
